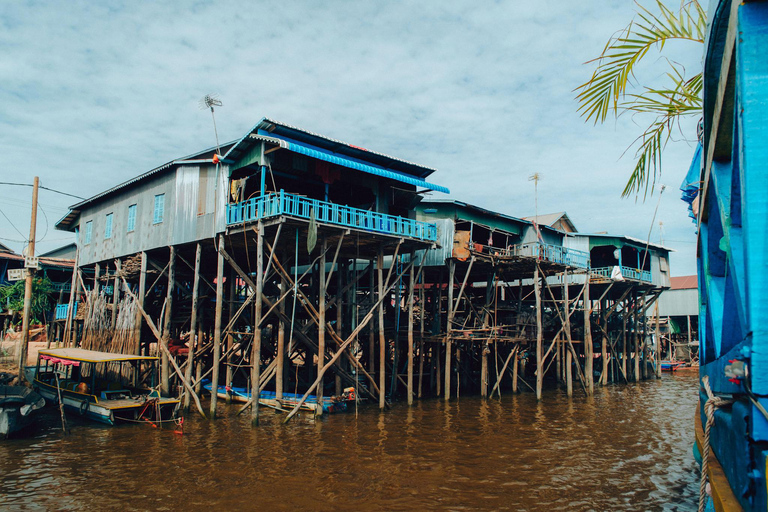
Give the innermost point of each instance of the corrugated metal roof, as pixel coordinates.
(269, 127)
(344, 161)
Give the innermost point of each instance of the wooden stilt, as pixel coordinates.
(341, 292)
(635, 340)
(382, 338)
(229, 339)
(624, 313)
(279, 371)
(515, 365)
(140, 296)
(115, 295)
(217, 326)
(193, 324)
(411, 285)
(568, 373)
(604, 344)
(588, 359)
(448, 329)
(422, 305)
(256, 347)
(539, 335)
(321, 322)
(96, 275)
(165, 387)
(372, 327)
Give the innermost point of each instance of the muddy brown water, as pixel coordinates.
(627, 448)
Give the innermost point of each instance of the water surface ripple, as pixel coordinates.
(626, 448)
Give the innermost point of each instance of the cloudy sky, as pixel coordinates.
(94, 93)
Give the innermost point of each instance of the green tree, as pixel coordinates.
(12, 297)
(612, 91)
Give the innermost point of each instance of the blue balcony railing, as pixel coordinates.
(61, 311)
(626, 273)
(272, 205)
(542, 252)
(553, 253)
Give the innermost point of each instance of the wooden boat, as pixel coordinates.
(19, 406)
(330, 405)
(671, 366)
(97, 385)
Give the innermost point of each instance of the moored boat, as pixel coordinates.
(19, 406)
(732, 215)
(330, 405)
(102, 386)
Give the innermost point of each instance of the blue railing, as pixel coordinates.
(626, 273)
(61, 311)
(272, 205)
(553, 253)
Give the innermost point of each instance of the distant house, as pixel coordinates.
(559, 221)
(679, 314)
(66, 252)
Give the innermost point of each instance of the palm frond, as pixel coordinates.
(608, 84)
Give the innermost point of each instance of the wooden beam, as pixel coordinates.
(256, 345)
(193, 323)
(165, 386)
(217, 326)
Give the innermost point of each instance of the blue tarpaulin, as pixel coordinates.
(692, 182)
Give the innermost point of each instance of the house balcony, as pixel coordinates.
(541, 252)
(626, 272)
(291, 205)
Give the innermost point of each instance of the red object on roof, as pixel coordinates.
(684, 282)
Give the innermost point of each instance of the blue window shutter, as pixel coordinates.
(159, 209)
(131, 218)
(108, 226)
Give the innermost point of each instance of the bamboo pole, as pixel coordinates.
(497, 386)
(217, 327)
(165, 387)
(193, 323)
(256, 346)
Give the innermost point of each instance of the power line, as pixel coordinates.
(42, 187)
(12, 225)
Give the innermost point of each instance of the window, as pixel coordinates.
(159, 209)
(88, 231)
(131, 218)
(108, 226)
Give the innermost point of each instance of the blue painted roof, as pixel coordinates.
(353, 163)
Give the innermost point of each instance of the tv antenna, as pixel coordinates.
(210, 101)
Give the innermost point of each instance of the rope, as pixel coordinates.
(713, 402)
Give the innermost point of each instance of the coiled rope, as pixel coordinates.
(713, 402)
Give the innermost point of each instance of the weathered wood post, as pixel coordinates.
(372, 327)
(448, 329)
(165, 387)
(569, 373)
(142, 292)
(411, 284)
(382, 338)
(256, 347)
(539, 335)
(604, 345)
(193, 325)
(321, 321)
(217, 327)
(588, 355)
(115, 295)
(279, 371)
(422, 305)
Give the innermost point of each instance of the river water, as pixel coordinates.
(626, 448)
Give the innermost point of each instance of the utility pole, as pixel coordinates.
(30, 266)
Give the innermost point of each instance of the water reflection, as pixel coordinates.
(628, 448)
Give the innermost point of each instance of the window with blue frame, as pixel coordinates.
(131, 218)
(88, 232)
(108, 226)
(157, 218)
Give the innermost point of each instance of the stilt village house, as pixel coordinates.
(289, 259)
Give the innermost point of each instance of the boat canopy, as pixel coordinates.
(90, 356)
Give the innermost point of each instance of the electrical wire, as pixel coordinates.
(13, 226)
(41, 187)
